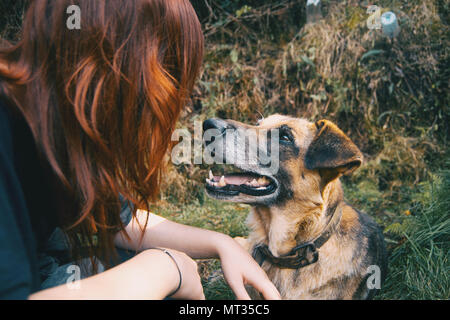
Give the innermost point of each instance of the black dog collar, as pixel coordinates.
(303, 254)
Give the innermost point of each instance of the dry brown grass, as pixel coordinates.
(389, 96)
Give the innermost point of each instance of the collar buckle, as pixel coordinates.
(306, 254)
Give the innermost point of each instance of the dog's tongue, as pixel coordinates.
(237, 180)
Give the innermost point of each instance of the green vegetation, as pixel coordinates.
(390, 96)
(419, 264)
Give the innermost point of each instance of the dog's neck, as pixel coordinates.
(284, 227)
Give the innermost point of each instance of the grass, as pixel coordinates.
(419, 265)
(211, 214)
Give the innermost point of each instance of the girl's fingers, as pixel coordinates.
(266, 288)
(239, 290)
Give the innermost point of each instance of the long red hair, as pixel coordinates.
(103, 101)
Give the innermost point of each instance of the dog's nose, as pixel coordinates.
(214, 123)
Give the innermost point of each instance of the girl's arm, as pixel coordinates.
(238, 266)
(149, 275)
(160, 232)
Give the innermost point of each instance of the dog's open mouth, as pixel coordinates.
(233, 184)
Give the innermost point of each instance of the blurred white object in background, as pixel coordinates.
(313, 12)
(389, 24)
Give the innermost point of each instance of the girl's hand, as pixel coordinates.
(239, 269)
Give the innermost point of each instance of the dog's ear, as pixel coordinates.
(331, 152)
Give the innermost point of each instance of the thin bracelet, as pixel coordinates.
(178, 268)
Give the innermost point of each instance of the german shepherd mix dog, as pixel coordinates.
(310, 242)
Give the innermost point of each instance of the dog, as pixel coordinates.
(310, 242)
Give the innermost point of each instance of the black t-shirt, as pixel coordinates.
(28, 207)
(25, 209)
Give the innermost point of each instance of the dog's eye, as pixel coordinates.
(285, 137)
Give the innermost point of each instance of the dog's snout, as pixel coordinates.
(214, 123)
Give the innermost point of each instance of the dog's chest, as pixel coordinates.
(321, 280)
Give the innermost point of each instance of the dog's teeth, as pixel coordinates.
(263, 181)
(222, 182)
(254, 183)
(211, 176)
